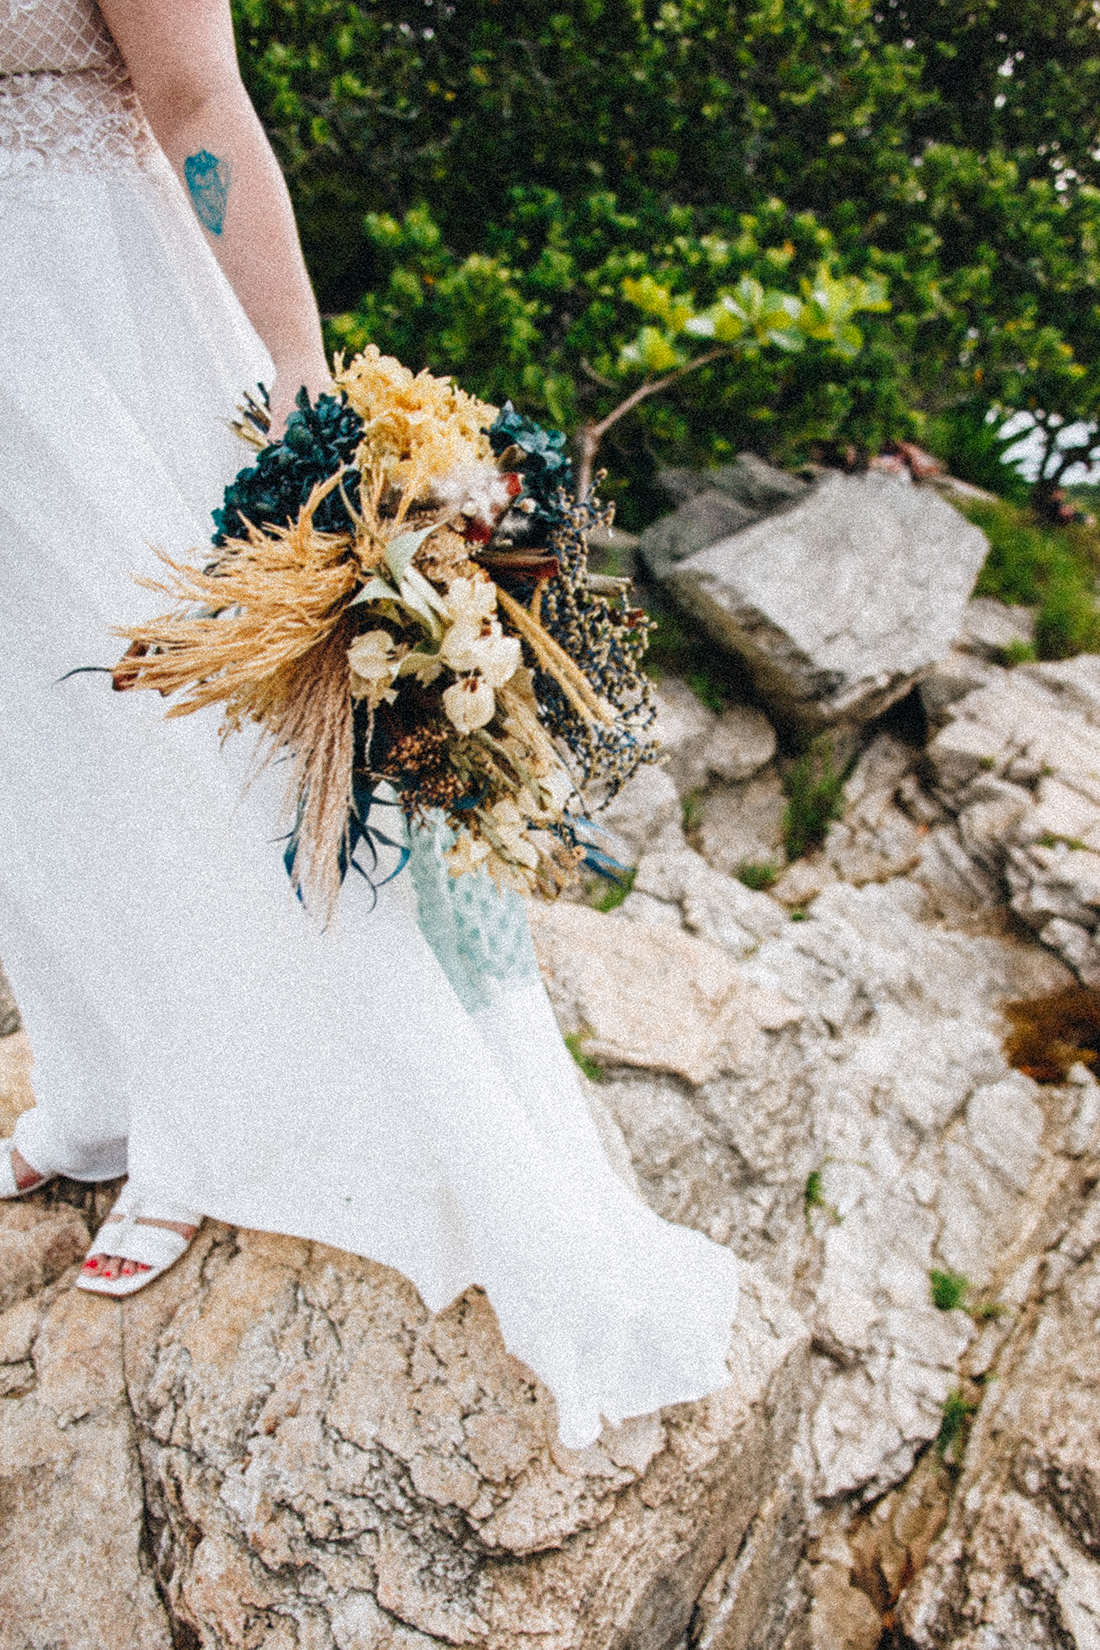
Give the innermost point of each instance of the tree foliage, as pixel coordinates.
(487, 187)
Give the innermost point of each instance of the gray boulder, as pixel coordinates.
(837, 597)
(712, 504)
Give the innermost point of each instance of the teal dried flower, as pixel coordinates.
(319, 441)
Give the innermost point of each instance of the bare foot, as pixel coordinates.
(26, 1178)
(105, 1265)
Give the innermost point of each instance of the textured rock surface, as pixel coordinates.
(279, 1446)
(1016, 761)
(712, 504)
(836, 604)
(279, 1449)
(891, 1089)
(698, 745)
(992, 630)
(659, 998)
(1019, 1560)
(74, 1571)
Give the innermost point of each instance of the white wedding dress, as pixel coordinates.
(190, 1024)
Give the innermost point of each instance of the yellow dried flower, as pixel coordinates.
(416, 428)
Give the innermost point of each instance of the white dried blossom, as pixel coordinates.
(375, 660)
(469, 703)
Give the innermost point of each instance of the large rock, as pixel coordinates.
(74, 1566)
(711, 504)
(279, 1447)
(658, 998)
(328, 1464)
(837, 604)
(1017, 761)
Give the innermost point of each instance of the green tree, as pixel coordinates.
(490, 175)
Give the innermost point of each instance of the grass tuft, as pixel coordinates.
(676, 647)
(708, 690)
(575, 1044)
(691, 812)
(958, 1413)
(949, 1290)
(815, 797)
(608, 896)
(814, 1196)
(1050, 839)
(1052, 569)
(758, 874)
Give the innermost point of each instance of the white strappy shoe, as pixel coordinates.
(9, 1187)
(155, 1248)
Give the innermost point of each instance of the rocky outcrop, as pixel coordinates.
(712, 504)
(700, 746)
(872, 1136)
(74, 1570)
(280, 1447)
(1016, 761)
(837, 603)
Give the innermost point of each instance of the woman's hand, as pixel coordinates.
(310, 373)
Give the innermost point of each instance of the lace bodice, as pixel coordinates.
(58, 36)
(66, 102)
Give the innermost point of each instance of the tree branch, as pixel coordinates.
(589, 436)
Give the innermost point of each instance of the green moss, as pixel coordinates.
(575, 1044)
(708, 689)
(958, 1412)
(758, 874)
(677, 648)
(949, 1290)
(1052, 569)
(1050, 840)
(798, 915)
(608, 896)
(1020, 653)
(815, 797)
(814, 1196)
(691, 812)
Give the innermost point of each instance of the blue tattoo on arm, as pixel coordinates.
(208, 184)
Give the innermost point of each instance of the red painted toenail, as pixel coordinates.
(91, 1266)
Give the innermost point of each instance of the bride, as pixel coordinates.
(192, 1027)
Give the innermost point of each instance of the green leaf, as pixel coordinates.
(429, 595)
(401, 550)
(375, 590)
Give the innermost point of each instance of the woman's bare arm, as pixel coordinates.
(183, 62)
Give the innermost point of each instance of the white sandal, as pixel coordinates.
(9, 1186)
(154, 1247)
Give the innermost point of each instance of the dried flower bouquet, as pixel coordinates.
(400, 596)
